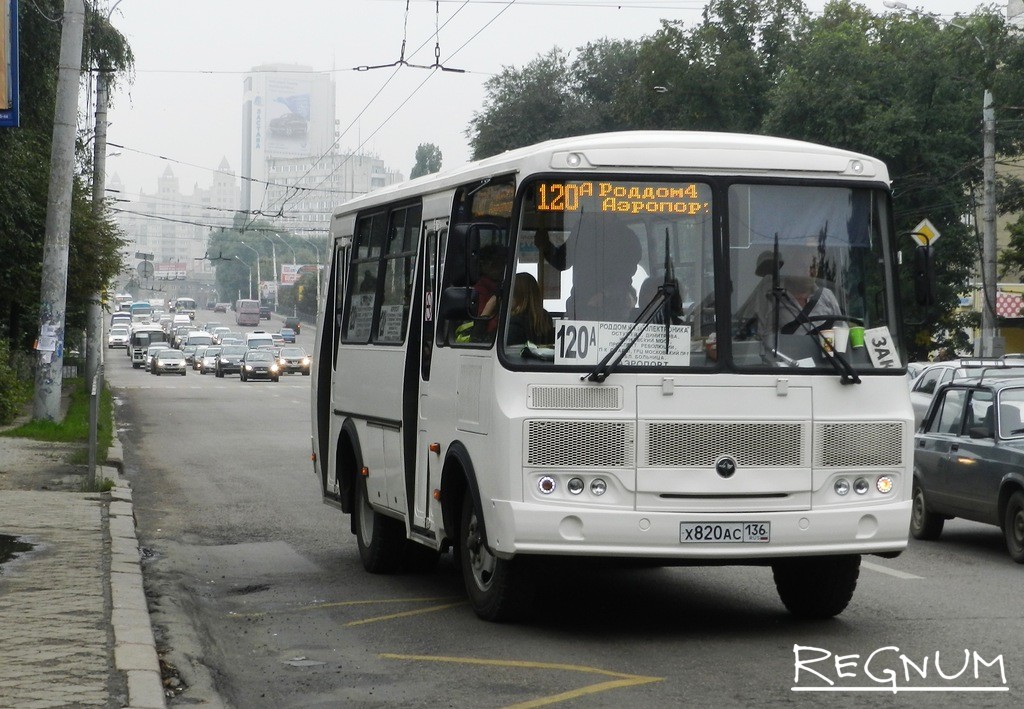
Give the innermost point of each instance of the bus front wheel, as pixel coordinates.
(499, 589)
(381, 539)
(816, 587)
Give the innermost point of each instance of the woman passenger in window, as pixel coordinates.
(528, 321)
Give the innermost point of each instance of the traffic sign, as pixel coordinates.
(925, 233)
(145, 270)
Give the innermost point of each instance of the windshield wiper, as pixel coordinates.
(664, 301)
(847, 374)
(607, 365)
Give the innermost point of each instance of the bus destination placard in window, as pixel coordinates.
(587, 342)
(624, 197)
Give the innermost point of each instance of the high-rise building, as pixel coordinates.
(287, 112)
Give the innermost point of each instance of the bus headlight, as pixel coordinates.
(575, 486)
(842, 486)
(861, 486)
(546, 485)
(884, 484)
(598, 487)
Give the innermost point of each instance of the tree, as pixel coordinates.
(428, 160)
(93, 259)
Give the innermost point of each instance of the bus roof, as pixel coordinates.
(669, 151)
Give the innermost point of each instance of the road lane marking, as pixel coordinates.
(886, 570)
(621, 680)
(367, 602)
(404, 614)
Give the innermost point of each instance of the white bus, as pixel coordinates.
(186, 306)
(721, 379)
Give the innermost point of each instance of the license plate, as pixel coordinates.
(724, 532)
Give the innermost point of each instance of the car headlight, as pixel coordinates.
(305, 361)
(248, 367)
(273, 368)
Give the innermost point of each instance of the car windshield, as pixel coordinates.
(293, 352)
(234, 351)
(166, 354)
(118, 331)
(259, 356)
(211, 352)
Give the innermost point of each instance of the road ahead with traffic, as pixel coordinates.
(259, 599)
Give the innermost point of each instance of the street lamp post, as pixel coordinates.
(273, 262)
(259, 278)
(295, 305)
(318, 275)
(244, 263)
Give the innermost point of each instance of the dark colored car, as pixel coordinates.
(969, 459)
(293, 323)
(265, 312)
(289, 124)
(293, 359)
(259, 364)
(220, 308)
(288, 335)
(229, 361)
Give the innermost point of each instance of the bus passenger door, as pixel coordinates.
(428, 461)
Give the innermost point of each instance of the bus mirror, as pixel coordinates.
(456, 303)
(924, 276)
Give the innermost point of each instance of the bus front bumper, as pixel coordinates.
(526, 528)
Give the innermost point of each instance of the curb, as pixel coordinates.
(134, 644)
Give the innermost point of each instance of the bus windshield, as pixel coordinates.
(625, 270)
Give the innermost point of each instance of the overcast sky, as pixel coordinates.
(185, 103)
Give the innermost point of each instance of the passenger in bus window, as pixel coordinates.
(487, 289)
(528, 320)
(801, 296)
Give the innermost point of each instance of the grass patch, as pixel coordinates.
(75, 426)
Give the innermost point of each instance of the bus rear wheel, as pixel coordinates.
(816, 587)
(498, 589)
(381, 539)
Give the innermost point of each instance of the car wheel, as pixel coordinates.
(816, 587)
(498, 589)
(156, 372)
(276, 379)
(241, 376)
(183, 372)
(381, 539)
(924, 524)
(1013, 527)
(305, 374)
(218, 374)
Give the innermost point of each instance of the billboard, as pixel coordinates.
(9, 117)
(286, 116)
(291, 272)
(170, 271)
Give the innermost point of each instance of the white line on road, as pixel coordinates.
(891, 572)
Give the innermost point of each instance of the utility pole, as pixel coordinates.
(54, 285)
(990, 344)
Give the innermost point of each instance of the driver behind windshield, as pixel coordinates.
(801, 301)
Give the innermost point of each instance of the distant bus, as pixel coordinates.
(140, 311)
(122, 301)
(186, 306)
(247, 312)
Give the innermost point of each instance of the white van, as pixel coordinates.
(257, 338)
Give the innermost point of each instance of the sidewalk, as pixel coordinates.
(74, 625)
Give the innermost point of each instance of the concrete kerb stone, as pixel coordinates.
(134, 643)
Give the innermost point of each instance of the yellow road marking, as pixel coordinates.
(339, 604)
(404, 614)
(624, 679)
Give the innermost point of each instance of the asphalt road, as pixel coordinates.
(260, 600)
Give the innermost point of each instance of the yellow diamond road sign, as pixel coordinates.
(925, 233)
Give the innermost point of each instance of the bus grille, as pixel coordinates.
(580, 444)
(679, 444)
(575, 397)
(845, 445)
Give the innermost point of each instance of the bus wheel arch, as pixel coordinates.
(348, 461)
(457, 476)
